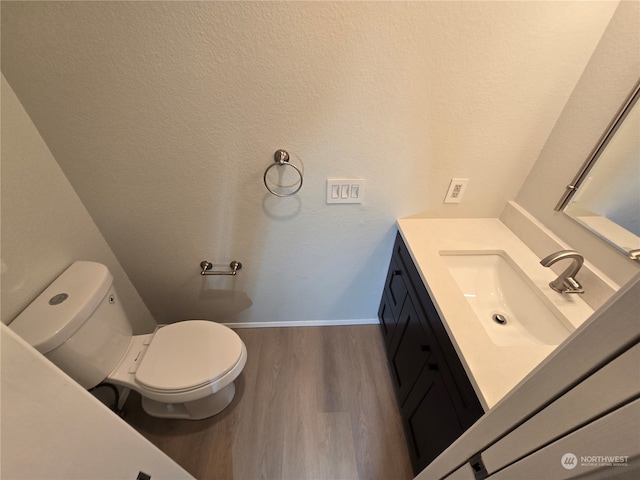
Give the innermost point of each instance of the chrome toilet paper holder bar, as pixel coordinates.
(207, 266)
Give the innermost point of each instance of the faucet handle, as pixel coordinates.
(572, 286)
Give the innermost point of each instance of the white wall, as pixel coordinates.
(45, 227)
(607, 80)
(53, 429)
(164, 115)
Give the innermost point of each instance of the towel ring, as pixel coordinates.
(281, 158)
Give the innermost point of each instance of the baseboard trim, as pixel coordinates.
(305, 323)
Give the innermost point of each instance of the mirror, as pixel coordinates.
(604, 196)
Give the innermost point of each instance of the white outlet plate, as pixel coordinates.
(457, 186)
(345, 190)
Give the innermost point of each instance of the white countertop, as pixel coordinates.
(493, 370)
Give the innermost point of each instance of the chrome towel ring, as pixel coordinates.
(281, 159)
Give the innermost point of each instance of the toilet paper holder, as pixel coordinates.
(207, 266)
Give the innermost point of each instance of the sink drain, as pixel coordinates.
(499, 319)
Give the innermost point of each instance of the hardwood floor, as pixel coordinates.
(311, 403)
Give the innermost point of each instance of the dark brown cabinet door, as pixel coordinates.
(409, 350)
(430, 419)
(393, 297)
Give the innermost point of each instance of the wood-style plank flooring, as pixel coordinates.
(311, 403)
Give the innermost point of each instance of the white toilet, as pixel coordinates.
(182, 370)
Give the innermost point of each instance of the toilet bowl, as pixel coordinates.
(182, 370)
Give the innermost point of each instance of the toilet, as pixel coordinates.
(182, 370)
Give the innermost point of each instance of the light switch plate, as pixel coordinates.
(345, 190)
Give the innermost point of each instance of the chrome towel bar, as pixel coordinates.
(206, 266)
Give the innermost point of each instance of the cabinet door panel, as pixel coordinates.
(387, 319)
(430, 420)
(454, 375)
(395, 287)
(411, 352)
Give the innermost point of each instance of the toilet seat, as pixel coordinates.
(188, 355)
(174, 357)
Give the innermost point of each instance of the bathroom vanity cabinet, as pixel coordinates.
(436, 398)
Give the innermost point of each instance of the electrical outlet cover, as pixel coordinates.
(457, 186)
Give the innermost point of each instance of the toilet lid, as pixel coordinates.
(186, 355)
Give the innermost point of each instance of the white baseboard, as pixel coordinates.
(305, 323)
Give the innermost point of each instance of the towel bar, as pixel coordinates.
(206, 266)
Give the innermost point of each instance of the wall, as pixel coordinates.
(45, 227)
(52, 428)
(164, 115)
(608, 78)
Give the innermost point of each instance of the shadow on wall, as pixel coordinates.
(227, 303)
(218, 298)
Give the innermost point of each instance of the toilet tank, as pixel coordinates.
(78, 323)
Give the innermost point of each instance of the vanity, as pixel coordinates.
(450, 359)
(436, 398)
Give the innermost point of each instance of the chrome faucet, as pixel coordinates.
(566, 282)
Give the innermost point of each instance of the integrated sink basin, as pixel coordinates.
(507, 305)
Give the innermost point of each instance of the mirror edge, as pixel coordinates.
(600, 146)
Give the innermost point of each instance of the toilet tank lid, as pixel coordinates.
(63, 306)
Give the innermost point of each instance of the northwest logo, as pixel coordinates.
(569, 461)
